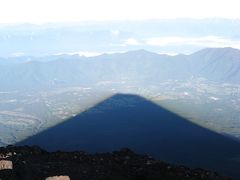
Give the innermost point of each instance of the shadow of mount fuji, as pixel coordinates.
(139, 124)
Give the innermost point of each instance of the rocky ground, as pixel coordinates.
(33, 163)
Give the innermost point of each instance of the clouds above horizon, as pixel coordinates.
(132, 42)
(89, 39)
(202, 42)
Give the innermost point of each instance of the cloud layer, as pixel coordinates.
(205, 41)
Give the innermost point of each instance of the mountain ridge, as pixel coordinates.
(215, 64)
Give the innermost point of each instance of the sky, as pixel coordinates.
(45, 11)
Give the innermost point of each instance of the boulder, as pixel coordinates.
(58, 178)
(5, 164)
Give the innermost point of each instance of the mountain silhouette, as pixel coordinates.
(126, 120)
(216, 64)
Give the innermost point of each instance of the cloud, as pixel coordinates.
(201, 42)
(115, 33)
(205, 41)
(82, 53)
(132, 42)
(18, 54)
(89, 53)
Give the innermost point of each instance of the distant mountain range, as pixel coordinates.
(161, 36)
(215, 64)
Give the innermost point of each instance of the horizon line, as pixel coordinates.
(91, 54)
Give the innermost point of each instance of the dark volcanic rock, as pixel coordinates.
(34, 163)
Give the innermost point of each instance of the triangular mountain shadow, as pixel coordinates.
(139, 124)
